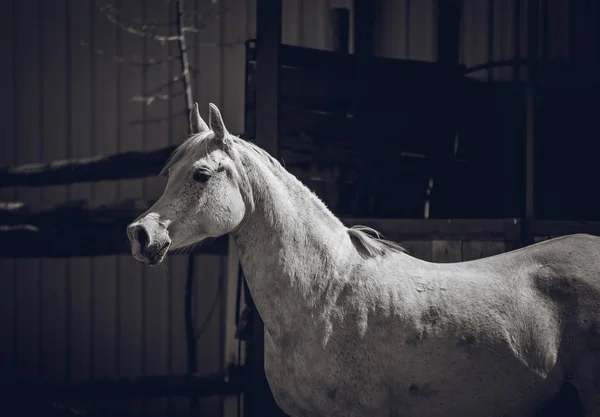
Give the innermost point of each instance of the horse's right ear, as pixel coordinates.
(197, 125)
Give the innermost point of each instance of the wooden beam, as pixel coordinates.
(89, 231)
(258, 399)
(440, 229)
(222, 383)
(96, 168)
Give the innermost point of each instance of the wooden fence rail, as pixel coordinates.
(121, 166)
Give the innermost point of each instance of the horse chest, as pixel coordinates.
(310, 380)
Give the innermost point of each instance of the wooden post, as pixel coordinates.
(258, 399)
(532, 55)
(341, 29)
(448, 31)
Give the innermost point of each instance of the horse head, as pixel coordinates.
(205, 195)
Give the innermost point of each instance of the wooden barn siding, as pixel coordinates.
(82, 318)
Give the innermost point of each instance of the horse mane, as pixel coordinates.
(367, 240)
(371, 246)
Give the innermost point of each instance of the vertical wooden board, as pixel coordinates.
(476, 249)
(233, 56)
(503, 38)
(129, 322)
(103, 317)
(81, 146)
(131, 319)
(81, 57)
(475, 17)
(230, 343)
(558, 29)
(391, 33)
(177, 349)
(446, 251)
(207, 301)
(421, 249)
(156, 136)
(7, 157)
(105, 142)
(27, 319)
(156, 321)
(28, 126)
(156, 333)
(522, 30)
(129, 110)
(105, 93)
(250, 18)
(129, 114)
(423, 32)
(55, 118)
(315, 23)
(7, 319)
(156, 80)
(7, 86)
(208, 62)
(81, 312)
(292, 22)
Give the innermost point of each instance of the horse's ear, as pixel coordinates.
(197, 125)
(215, 120)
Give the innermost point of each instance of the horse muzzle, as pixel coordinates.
(149, 240)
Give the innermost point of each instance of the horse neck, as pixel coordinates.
(290, 247)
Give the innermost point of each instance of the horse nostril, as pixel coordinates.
(142, 237)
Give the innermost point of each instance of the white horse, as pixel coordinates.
(354, 326)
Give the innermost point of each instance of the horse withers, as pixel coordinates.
(355, 326)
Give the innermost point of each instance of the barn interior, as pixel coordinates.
(458, 128)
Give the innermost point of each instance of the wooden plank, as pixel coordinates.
(229, 319)
(446, 251)
(454, 229)
(56, 144)
(177, 350)
(7, 157)
(156, 135)
(292, 17)
(209, 83)
(560, 228)
(105, 133)
(7, 319)
(208, 299)
(422, 38)
(476, 249)
(81, 297)
(233, 58)
(28, 125)
(314, 21)
(80, 269)
(130, 273)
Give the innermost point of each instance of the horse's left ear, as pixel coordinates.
(197, 125)
(215, 120)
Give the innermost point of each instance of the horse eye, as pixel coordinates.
(200, 176)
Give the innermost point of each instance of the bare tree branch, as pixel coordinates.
(145, 30)
(158, 119)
